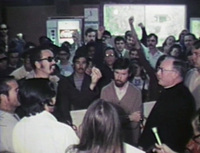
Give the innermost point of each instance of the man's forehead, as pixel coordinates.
(167, 63)
(122, 70)
(47, 52)
(80, 59)
(91, 33)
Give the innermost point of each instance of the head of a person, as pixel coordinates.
(42, 60)
(3, 30)
(119, 43)
(130, 40)
(170, 72)
(196, 54)
(110, 56)
(169, 41)
(3, 60)
(26, 60)
(133, 54)
(182, 34)
(37, 95)
(88, 70)
(63, 54)
(90, 35)
(100, 130)
(189, 39)
(44, 41)
(75, 36)
(122, 71)
(13, 57)
(80, 63)
(152, 40)
(66, 45)
(8, 94)
(106, 38)
(175, 51)
(91, 49)
(196, 123)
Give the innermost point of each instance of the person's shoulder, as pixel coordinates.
(192, 72)
(107, 87)
(134, 88)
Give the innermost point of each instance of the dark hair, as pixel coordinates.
(119, 38)
(90, 44)
(196, 44)
(180, 66)
(110, 48)
(35, 54)
(79, 56)
(106, 32)
(122, 63)
(128, 34)
(177, 46)
(34, 94)
(191, 34)
(160, 60)
(89, 30)
(4, 87)
(66, 44)
(165, 42)
(153, 35)
(101, 129)
(44, 40)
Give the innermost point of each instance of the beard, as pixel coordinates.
(119, 83)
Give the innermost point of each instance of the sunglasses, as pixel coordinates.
(3, 29)
(49, 59)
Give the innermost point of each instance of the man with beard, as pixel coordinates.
(78, 90)
(128, 97)
(43, 63)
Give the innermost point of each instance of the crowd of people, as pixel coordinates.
(41, 84)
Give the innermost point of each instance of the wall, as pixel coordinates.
(31, 20)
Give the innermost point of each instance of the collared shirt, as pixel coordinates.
(124, 53)
(121, 91)
(42, 133)
(7, 123)
(151, 58)
(20, 73)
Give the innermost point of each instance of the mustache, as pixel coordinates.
(81, 69)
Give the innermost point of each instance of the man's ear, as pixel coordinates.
(3, 98)
(37, 64)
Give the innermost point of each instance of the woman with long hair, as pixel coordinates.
(100, 130)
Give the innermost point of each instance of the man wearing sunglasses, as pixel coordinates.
(43, 62)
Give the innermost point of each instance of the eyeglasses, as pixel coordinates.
(3, 29)
(110, 55)
(164, 70)
(49, 59)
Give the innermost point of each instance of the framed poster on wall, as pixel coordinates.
(195, 26)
